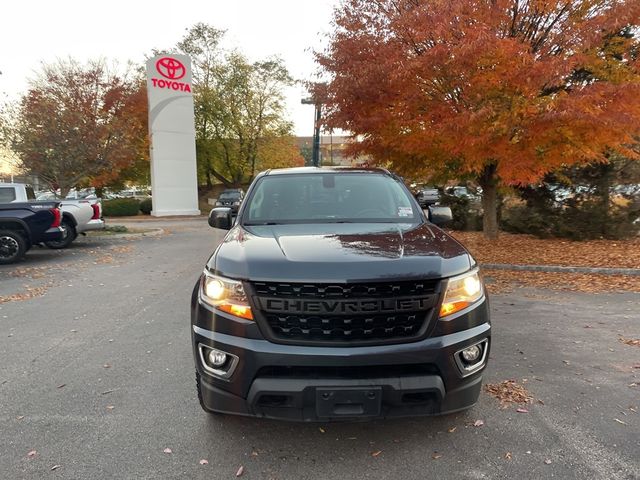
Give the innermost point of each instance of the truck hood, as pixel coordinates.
(325, 253)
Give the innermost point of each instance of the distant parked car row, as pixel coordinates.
(90, 194)
(22, 223)
(430, 195)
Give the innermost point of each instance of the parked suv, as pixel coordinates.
(334, 297)
(231, 198)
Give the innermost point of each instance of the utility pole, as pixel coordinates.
(316, 129)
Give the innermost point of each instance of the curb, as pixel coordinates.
(562, 269)
(153, 232)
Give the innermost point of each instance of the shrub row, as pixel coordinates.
(125, 207)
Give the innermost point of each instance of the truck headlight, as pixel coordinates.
(226, 295)
(462, 291)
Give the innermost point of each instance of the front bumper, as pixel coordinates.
(288, 381)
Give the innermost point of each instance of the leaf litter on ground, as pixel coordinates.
(509, 391)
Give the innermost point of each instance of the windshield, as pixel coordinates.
(329, 198)
(230, 195)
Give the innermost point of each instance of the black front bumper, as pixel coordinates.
(309, 383)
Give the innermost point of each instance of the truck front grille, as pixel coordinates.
(348, 314)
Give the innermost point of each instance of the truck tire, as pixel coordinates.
(199, 388)
(68, 235)
(12, 247)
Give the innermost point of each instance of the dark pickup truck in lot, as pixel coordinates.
(23, 225)
(334, 297)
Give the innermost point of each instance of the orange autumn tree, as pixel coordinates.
(503, 90)
(82, 124)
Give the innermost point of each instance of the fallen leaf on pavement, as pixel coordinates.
(375, 454)
(61, 386)
(547, 461)
(32, 453)
(110, 407)
(167, 450)
(478, 423)
(19, 417)
(507, 455)
(240, 471)
(106, 365)
(452, 429)
(204, 462)
(633, 342)
(321, 429)
(436, 455)
(55, 467)
(619, 421)
(522, 410)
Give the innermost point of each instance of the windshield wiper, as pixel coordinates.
(255, 224)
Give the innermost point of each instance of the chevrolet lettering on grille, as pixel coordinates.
(320, 307)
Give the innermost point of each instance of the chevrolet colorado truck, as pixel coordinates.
(78, 216)
(334, 296)
(23, 225)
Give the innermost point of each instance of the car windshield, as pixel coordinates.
(362, 197)
(230, 195)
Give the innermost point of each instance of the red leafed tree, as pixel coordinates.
(82, 124)
(504, 90)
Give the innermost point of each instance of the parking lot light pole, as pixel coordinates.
(315, 159)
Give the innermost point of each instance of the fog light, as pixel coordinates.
(471, 354)
(217, 358)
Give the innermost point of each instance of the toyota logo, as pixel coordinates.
(170, 68)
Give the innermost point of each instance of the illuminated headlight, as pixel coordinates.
(226, 295)
(462, 292)
(236, 204)
(218, 204)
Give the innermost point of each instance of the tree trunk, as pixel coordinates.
(489, 183)
(603, 185)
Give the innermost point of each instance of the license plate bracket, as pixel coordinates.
(348, 402)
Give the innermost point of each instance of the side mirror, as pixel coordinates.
(440, 215)
(220, 217)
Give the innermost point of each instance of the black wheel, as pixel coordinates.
(199, 388)
(68, 235)
(12, 247)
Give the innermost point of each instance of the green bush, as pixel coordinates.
(121, 207)
(575, 220)
(145, 206)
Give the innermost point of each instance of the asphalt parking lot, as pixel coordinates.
(97, 378)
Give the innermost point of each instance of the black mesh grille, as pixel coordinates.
(356, 290)
(401, 311)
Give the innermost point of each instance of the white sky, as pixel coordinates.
(35, 31)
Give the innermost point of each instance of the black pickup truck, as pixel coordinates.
(23, 225)
(334, 296)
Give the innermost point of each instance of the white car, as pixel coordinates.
(78, 216)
